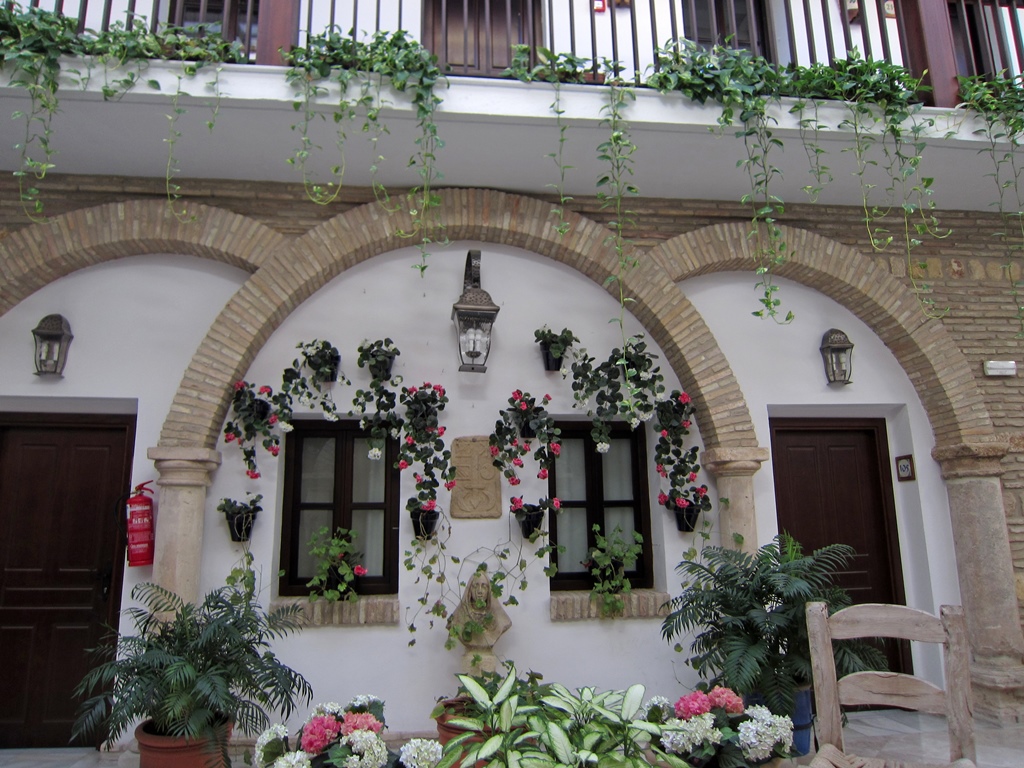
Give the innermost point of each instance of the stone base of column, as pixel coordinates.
(997, 689)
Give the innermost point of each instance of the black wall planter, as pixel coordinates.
(240, 525)
(424, 522)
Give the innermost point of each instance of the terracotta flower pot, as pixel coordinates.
(157, 751)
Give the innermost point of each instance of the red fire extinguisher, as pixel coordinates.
(140, 526)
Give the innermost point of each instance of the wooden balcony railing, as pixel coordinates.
(943, 38)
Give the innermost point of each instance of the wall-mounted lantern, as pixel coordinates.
(473, 315)
(837, 352)
(52, 337)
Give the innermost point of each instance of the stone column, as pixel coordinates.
(184, 478)
(985, 570)
(733, 469)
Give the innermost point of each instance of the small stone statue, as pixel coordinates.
(478, 622)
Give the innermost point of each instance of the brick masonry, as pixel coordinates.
(291, 248)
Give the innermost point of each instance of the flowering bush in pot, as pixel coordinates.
(423, 445)
(321, 360)
(337, 565)
(522, 423)
(676, 463)
(530, 516)
(716, 728)
(258, 414)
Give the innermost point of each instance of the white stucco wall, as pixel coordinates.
(138, 321)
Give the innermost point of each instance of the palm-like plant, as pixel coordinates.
(748, 612)
(191, 668)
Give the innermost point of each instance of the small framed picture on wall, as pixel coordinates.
(905, 468)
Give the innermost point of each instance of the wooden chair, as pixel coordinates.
(889, 688)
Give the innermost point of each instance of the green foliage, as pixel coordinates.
(608, 562)
(336, 565)
(318, 365)
(999, 103)
(748, 614)
(557, 344)
(193, 667)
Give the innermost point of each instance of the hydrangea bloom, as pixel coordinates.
(318, 733)
(682, 736)
(421, 753)
(693, 704)
(727, 699)
(370, 751)
(297, 759)
(760, 734)
(275, 734)
(359, 721)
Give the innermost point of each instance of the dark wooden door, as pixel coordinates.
(475, 37)
(61, 560)
(833, 485)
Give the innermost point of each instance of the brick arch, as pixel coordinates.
(302, 266)
(35, 256)
(937, 368)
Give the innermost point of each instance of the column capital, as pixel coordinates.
(734, 462)
(184, 465)
(980, 459)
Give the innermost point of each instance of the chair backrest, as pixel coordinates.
(891, 688)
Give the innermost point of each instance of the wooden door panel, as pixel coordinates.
(60, 477)
(833, 486)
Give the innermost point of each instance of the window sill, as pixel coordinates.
(577, 606)
(375, 610)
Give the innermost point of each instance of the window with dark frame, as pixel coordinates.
(609, 489)
(475, 37)
(330, 481)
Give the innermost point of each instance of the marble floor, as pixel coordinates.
(886, 733)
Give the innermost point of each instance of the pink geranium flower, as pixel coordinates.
(253, 474)
(543, 474)
(359, 570)
(556, 448)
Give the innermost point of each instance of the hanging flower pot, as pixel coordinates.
(686, 518)
(424, 521)
(241, 515)
(329, 370)
(530, 518)
(551, 363)
(381, 370)
(240, 525)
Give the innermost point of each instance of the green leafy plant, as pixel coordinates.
(748, 614)
(608, 561)
(558, 345)
(555, 69)
(336, 565)
(240, 515)
(625, 385)
(192, 667)
(424, 445)
(377, 356)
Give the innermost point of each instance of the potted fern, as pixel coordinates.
(191, 672)
(748, 614)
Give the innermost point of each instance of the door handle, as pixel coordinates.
(106, 577)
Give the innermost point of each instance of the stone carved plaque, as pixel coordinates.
(477, 491)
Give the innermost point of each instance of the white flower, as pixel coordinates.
(645, 375)
(655, 702)
(285, 426)
(276, 732)
(421, 753)
(364, 700)
(564, 372)
(759, 735)
(327, 708)
(394, 433)
(373, 454)
(369, 748)
(330, 415)
(297, 759)
(603, 447)
(634, 423)
(681, 736)
(396, 380)
(646, 415)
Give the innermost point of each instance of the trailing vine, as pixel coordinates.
(999, 103)
(555, 69)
